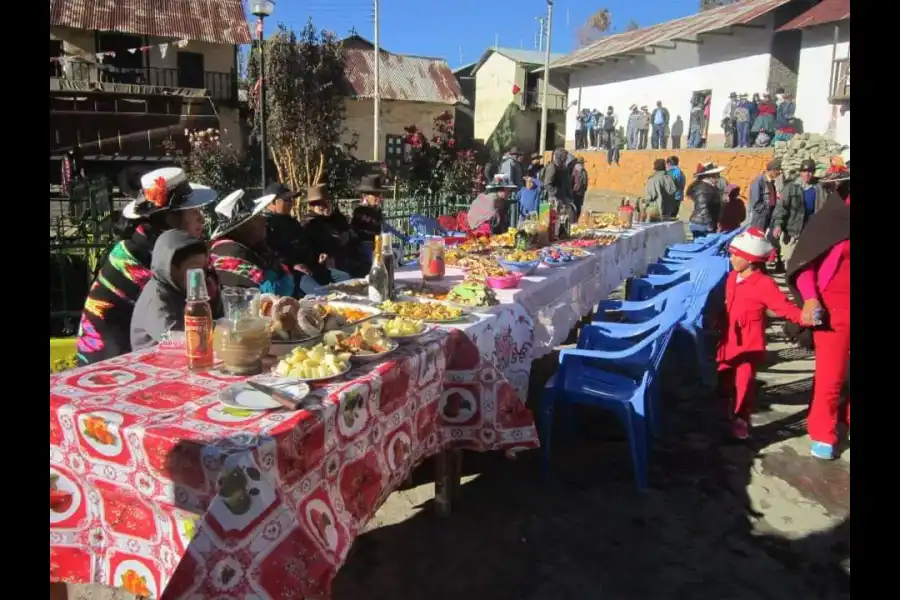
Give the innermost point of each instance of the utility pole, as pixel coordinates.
(540, 44)
(376, 129)
(543, 143)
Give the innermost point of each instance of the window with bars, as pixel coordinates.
(393, 151)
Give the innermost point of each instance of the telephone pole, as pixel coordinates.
(543, 146)
(376, 133)
(540, 44)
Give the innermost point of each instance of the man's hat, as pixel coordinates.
(514, 151)
(752, 245)
(236, 209)
(707, 169)
(167, 189)
(317, 194)
(279, 190)
(536, 156)
(808, 166)
(773, 165)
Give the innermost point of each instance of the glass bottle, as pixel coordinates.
(387, 252)
(378, 274)
(198, 322)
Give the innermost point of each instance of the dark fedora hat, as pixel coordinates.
(279, 190)
(371, 184)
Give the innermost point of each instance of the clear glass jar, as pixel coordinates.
(431, 259)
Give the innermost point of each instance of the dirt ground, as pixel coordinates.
(740, 521)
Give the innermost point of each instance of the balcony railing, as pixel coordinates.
(222, 87)
(532, 99)
(840, 80)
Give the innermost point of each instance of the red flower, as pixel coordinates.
(451, 142)
(158, 193)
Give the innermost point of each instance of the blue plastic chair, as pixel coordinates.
(584, 377)
(642, 310)
(423, 226)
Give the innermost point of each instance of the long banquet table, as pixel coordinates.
(171, 494)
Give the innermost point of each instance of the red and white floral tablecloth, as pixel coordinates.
(164, 488)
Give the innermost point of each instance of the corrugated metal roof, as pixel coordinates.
(529, 57)
(827, 11)
(413, 78)
(738, 13)
(214, 21)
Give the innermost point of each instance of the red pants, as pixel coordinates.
(736, 381)
(832, 362)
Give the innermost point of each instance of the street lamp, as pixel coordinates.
(262, 9)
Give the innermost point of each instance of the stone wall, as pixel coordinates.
(635, 166)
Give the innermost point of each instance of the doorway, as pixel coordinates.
(190, 70)
(551, 136)
(698, 122)
(121, 66)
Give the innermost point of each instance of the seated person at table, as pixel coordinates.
(368, 219)
(288, 239)
(488, 213)
(239, 252)
(530, 198)
(330, 235)
(165, 201)
(160, 307)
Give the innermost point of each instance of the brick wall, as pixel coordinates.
(635, 166)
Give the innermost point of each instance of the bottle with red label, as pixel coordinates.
(198, 322)
(431, 259)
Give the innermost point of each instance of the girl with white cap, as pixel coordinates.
(749, 292)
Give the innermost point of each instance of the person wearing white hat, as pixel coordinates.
(239, 253)
(749, 292)
(166, 200)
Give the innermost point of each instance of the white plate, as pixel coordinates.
(405, 338)
(244, 397)
(373, 357)
(316, 379)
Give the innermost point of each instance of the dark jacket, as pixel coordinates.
(707, 205)
(761, 210)
(160, 307)
(288, 239)
(512, 168)
(557, 181)
(367, 222)
(324, 235)
(789, 214)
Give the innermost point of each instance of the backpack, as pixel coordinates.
(579, 179)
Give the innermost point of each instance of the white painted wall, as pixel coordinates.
(494, 83)
(722, 63)
(814, 77)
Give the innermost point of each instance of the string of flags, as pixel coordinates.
(163, 50)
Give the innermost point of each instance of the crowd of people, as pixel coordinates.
(747, 121)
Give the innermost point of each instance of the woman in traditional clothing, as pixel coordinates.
(166, 201)
(239, 252)
(819, 270)
(488, 214)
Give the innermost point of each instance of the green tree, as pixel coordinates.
(305, 93)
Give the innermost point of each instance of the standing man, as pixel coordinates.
(660, 121)
(579, 185)
(511, 166)
(631, 131)
(800, 199)
(680, 180)
(610, 122)
(764, 195)
(534, 168)
(728, 121)
(580, 130)
(742, 122)
(643, 126)
(659, 193)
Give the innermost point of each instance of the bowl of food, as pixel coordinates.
(403, 329)
(522, 268)
(366, 343)
(313, 362)
(430, 312)
(503, 282)
(292, 322)
(472, 294)
(556, 256)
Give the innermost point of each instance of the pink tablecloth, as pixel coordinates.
(163, 487)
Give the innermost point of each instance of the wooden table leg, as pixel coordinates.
(456, 457)
(443, 488)
(58, 591)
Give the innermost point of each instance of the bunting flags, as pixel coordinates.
(163, 50)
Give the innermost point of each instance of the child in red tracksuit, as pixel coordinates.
(749, 291)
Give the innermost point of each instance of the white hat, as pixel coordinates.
(707, 169)
(168, 189)
(752, 245)
(235, 210)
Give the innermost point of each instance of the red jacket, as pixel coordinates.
(744, 326)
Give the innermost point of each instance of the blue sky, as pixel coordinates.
(448, 29)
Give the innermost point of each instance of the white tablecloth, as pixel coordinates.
(555, 298)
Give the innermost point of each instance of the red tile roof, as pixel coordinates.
(738, 13)
(412, 78)
(214, 21)
(827, 11)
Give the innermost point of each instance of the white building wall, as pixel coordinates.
(721, 63)
(814, 74)
(494, 83)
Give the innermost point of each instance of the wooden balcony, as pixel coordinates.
(532, 99)
(221, 87)
(840, 80)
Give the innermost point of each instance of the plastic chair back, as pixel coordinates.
(422, 226)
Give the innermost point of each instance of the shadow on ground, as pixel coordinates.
(698, 533)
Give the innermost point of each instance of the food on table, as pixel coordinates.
(95, 428)
(60, 501)
(556, 255)
(241, 344)
(266, 303)
(424, 311)
(453, 256)
(354, 287)
(481, 270)
(402, 327)
(366, 339)
(318, 362)
(135, 583)
(590, 242)
(472, 294)
(426, 291)
(503, 240)
(521, 256)
(479, 244)
(292, 320)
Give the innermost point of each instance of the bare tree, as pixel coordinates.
(596, 26)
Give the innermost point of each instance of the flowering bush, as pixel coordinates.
(210, 162)
(437, 166)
